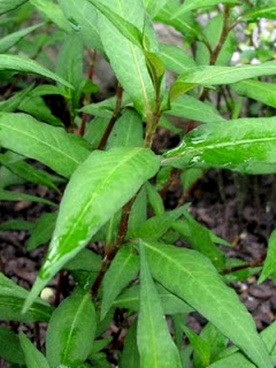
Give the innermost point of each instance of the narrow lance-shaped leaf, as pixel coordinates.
(96, 191)
(192, 277)
(126, 58)
(10, 40)
(71, 331)
(123, 269)
(157, 350)
(244, 145)
(50, 145)
(34, 358)
(261, 91)
(8, 5)
(196, 4)
(212, 75)
(25, 65)
(270, 261)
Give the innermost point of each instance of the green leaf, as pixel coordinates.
(53, 12)
(71, 330)
(157, 350)
(6, 195)
(212, 75)
(244, 145)
(82, 17)
(130, 357)
(16, 164)
(96, 191)
(176, 59)
(127, 59)
(8, 5)
(10, 40)
(261, 91)
(171, 304)
(155, 199)
(24, 65)
(200, 240)
(200, 347)
(122, 270)
(10, 348)
(52, 146)
(34, 358)
(156, 226)
(197, 4)
(191, 108)
(127, 131)
(16, 225)
(193, 278)
(127, 29)
(270, 262)
(42, 230)
(12, 298)
(260, 12)
(153, 7)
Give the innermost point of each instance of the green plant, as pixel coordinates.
(113, 178)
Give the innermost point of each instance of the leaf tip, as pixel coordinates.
(33, 294)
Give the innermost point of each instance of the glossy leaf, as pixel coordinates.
(270, 262)
(171, 304)
(244, 145)
(200, 347)
(157, 350)
(121, 272)
(196, 4)
(183, 271)
(71, 330)
(53, 12)
(10, 348)
(12, 298)
(10, 40)
(34, 358)
(261, 91)
(191, 108)
(212, 75)
(127, 59)
(8, 5)
(267, 11)
(24, 65)
(155, 199)
(96, 191)
(52, 146)
(83, 19)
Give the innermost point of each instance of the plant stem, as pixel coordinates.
(114, 117)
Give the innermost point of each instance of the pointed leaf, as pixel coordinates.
(10, 40)
(96, 191)
(192, 277)
(6, 195)
(130, 357)
(196, 4)
(10, 348)
(191, 108)
(270, 262)
(71, 330)
(176, 59)
(212, 75)
(127, 59)
(127, 29)
(244, 145)
(261, 91)
(157, 350)
(82, 17)
(8, 5)
(53, 12)
(200, 347)
(12, 298)
(52, 146)
(34, 358)
(123, 269)
(25, 65)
